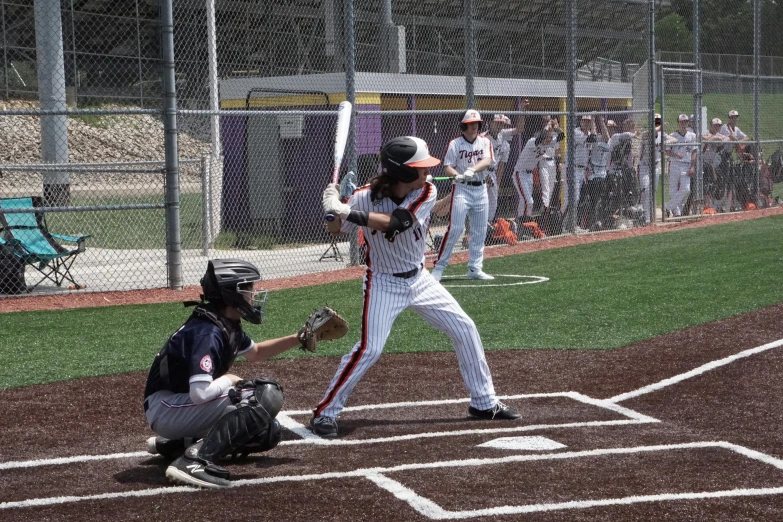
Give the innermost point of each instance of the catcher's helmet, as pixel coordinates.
(400, 157)
(470, 116)
(230, 282)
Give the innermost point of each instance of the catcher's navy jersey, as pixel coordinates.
(198, 351)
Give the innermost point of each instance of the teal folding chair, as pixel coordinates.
(29, 239)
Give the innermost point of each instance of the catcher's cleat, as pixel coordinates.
(168, 449)
(498, 412)
(189, 469)
(480, 275)
(325, 427)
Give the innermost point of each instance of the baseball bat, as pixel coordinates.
(340, 139)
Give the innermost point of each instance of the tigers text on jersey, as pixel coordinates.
(463, 155)
(406, 252)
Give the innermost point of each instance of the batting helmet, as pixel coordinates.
(470, 116)
(400, 157)
(230, 282)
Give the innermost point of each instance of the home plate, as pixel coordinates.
(534, 443)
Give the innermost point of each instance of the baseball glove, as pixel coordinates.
(323, 325)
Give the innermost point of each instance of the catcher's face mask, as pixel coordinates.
(256, 299)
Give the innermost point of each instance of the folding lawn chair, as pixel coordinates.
(26, 235)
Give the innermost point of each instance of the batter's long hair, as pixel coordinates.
(381, 187)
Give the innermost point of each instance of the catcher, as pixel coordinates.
(199, 410)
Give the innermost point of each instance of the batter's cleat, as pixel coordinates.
(478, 274)
(437, 274)
(166, 448)
(325, 427)
(498, 412)
(189, 469)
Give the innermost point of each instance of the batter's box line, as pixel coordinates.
(432, 510)
(377, 475)
(307, 437)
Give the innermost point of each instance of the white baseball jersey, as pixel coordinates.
(581, 148)
(501, 146)
(685, 150)
(737, 132)
(599, 159)
(528, 158)
(711, 153)
(463, 155)
(523, 177)
(406, 252)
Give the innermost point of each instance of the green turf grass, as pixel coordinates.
(599, 296)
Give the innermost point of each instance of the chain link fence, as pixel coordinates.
(96, 192)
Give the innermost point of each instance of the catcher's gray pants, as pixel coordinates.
(385, 297)
(174, 416)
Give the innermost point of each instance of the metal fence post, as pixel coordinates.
(350, 95)
(206, 198)
(470, 55)
(698, 190)
(756, 88)
(651, 69)
(172, 195)
(571, 119)
(51, 92)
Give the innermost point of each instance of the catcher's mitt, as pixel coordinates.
(323, 325)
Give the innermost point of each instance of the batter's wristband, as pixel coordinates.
(358, 217)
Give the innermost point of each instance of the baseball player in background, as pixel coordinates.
(711, 161)
(530, 159)
(645, 173)
(394, 213)
(500, 135)
(467, 159)
(190, 393)
(584, 137)
(547, 152)
(682, 166)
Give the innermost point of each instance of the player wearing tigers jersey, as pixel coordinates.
(467, 159)
(394, 212)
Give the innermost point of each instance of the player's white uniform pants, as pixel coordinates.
(492, 196)
(547, 174)
(523, 183)
(646, 192)
(679, 186)
(385, 297)
(579, 180)
(466, 201)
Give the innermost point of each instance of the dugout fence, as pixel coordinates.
(177, 132)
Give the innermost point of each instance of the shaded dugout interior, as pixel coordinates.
(275, 165)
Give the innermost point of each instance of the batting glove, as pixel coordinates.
(468, 175)
(459, 178)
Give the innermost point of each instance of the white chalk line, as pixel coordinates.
(307, 437)
(696, 371)
(535, 279)
(420, 503)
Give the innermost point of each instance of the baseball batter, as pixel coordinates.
(467, 160)
(393, 211)
(682, 161)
